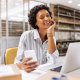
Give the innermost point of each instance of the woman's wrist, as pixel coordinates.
(50, 34)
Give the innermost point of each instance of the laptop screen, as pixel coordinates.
(72, 59)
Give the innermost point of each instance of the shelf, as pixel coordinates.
(77, 17)
(62, 54)
(61, 48)
(64, 7)
(66, 23)
(67, 30)
(69, 23)
(60, 14)
(68, 41)
(68, 26)
(77, 30)
(77, 24)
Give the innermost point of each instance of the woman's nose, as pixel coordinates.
(46, 18)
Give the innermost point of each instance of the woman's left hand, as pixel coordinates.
(51, 28)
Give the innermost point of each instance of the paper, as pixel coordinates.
(6, 70)
(42, 69)
(32, 75)
(46, 67)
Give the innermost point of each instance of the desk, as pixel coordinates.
(43, 73)
(41, 70)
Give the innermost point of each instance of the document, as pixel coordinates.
(6, 70)
(48, 66)
(32, 75)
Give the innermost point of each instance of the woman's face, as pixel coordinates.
(43, 19)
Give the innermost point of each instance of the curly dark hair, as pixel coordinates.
(33, 12)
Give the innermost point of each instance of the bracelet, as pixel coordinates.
(50, 35)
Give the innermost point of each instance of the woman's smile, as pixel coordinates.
(47, 23)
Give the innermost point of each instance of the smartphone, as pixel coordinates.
(30, 53)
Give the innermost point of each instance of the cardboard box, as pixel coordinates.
(9, 72)
(51, 74)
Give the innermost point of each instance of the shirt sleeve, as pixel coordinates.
(53, 58)
(21, 49)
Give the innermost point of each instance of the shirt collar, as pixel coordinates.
(36, 34)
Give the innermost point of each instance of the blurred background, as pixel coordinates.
(13, 22)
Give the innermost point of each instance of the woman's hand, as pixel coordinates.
(30, 66)
(51, 28)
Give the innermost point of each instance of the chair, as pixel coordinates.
(10, 55)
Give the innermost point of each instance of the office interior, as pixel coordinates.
(14, 21)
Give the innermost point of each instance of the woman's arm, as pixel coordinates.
(51, 45)
(51, 42)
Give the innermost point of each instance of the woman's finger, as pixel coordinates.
(26, 60)
(29, 69)
(33, 64)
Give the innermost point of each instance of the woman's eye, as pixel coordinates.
(48, 15)
(41, 17)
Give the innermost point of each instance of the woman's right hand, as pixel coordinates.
(30, 66)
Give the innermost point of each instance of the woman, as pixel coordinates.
(41, 39)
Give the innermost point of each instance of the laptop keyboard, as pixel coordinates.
(57, 69)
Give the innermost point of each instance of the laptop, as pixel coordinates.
(72, 60)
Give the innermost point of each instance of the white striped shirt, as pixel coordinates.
(30, 40)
